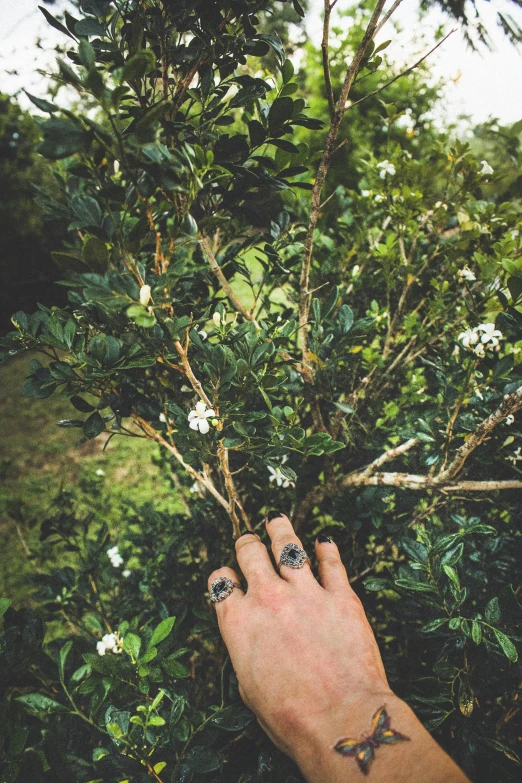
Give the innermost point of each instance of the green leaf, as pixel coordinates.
(345, 318)
(287, 71)
(39, 704)
(62, 657)
(41, 103)
(162, 631)
(233, 718)
(95, 254)
(282, 144)
(132, 645)
(89, 27)
(202, 759)
(476, 632)
(452, 575)
(55, 23)
(5, 603)
(93, 426)
(492, 612)
(138, 65)
(141, 317)
(87, 210)
(81, 405)
(86, 54)
(156, 720)
(508, 648)
(434, 625)
(280, 112)
(375, 583)
(62, 138)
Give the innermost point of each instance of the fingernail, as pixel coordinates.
(324, 539)
(273, 515)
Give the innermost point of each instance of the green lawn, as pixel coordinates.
(37, 459)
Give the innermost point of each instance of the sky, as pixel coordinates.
(482, 85)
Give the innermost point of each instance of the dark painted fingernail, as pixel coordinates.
(273, 515)
(249, 533)
(324, 539)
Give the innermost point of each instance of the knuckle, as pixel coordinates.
(246, 541)
(216, 574)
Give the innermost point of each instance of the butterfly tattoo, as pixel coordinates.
(364, 749)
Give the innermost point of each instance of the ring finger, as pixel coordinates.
(284, 541)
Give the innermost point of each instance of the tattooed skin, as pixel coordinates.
(364, 749)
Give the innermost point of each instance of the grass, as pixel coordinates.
(37, 459)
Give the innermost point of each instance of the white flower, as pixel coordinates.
(145, 295)
(355, 270)
(466, 274)
(516, 456)
(115, 557)
(111, 642)
(279, 478)
(203, 334)
(378, 198)
(366, 193)
(467, 338)
(486, 169)
(456, 350)
(126, 573)
(198, 418)
(217, 319)
(510, 419)
(386, 168)
(116, 166)
(490, 335)
(100, 472)
(162, 418)
(441, 205)
(194, 487)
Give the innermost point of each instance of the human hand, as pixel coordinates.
(306, 658)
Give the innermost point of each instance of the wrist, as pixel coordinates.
(313, 747)
(419, 758)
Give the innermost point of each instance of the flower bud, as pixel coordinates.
(217, 319)
(215, 422)
(145, 295)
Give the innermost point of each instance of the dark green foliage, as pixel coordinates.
(184, 192)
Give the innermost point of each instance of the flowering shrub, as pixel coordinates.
(330, 331)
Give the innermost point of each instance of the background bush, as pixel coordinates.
(348, 305)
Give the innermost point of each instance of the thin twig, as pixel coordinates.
(225, 285)
(326, 58)
(322, 171)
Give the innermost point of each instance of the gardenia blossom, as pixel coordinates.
(486, 169)
(378, 198)
(198, 418)
(467, 274)
(516, 456)
(510, 419)
(280, 479)
(203, 334)
(126, 573)
(115, 557)
(217, 319)
(111, 642)
(386, 168)
(483, 337)
(490, 335)
(366, 193)
(145, 295)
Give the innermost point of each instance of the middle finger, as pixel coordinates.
(281, 533)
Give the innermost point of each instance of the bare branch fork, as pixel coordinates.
(225, 285)
(443, 481)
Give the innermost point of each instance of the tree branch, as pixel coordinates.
(326, 59)
(510, 405)
(322, 171)
(225, 285)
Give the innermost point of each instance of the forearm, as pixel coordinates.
(419, 759)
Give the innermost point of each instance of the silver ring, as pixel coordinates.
(221, 588)
(293, 555)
